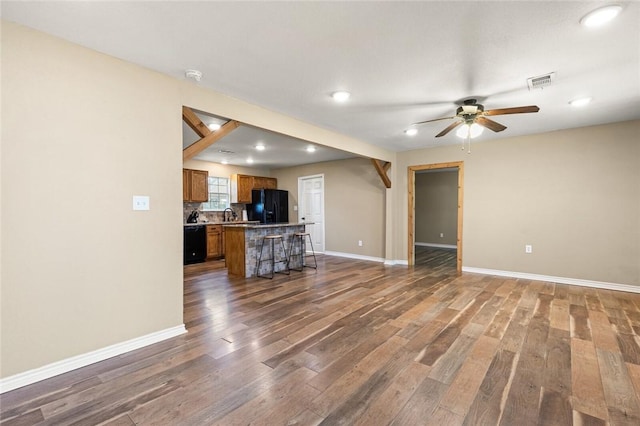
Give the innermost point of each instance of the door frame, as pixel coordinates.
(411, 180)
(300, 179)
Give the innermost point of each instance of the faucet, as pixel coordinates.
(224, 215)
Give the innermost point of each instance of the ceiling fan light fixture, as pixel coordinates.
(473, 131)
(580, 102)
(411, 132)
(341, 96)
(601, 16)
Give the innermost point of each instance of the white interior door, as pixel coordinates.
(311, 208)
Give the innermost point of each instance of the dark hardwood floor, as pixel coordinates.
(358, 343)
(440, 259)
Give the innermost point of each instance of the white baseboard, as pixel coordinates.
(391, 262)
(387, 262)
(560, 280)
(69, 364)
(449, 246)
(354, 256)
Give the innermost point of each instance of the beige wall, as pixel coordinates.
(436, 195)
(354, 198)
(574, 195)
(81, 134)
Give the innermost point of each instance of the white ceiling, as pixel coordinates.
(239, 146)
(403, 62)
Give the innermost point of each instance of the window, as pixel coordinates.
(218, 194)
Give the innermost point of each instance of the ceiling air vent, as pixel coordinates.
(225, 151)
(541, 81)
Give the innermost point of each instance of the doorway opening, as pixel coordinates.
(446, 250)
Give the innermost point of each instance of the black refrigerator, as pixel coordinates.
(269, 206)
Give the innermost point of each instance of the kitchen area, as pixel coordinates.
(233, 235)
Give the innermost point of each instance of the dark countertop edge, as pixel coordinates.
(269, 225)
(249, 222)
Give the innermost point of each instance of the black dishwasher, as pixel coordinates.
(195, 244)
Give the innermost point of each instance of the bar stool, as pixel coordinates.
(272, 239)
(302, 253)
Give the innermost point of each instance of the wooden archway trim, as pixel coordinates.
(382, 167)
(411, 184)
(207, 137)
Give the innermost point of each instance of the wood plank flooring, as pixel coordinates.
(358, 343)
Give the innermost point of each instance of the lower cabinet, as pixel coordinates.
(215, 242)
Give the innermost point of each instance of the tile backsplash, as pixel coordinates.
(187, 208)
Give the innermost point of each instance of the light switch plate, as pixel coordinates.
(140, 202)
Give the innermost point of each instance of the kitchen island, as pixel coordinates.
(243, 242)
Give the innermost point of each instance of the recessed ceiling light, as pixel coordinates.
(411, 132)
(260, 147)
(311, 148)
(250, 160)
(213, 126)
(225, 162)
(340, 96)
(580, 102)
(601, 16)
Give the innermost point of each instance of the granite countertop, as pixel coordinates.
(237, 222)
(252, 225)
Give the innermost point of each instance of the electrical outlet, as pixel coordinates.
(359, 243)
(442, 235)
(528, 249)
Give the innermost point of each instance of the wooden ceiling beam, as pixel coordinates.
(382, 167)
(208, 140)
(193, 121)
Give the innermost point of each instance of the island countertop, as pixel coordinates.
(264, 225)
(244, 222)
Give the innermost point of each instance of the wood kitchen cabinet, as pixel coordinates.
(215, 242)
(241, 186)
(195, 186)
(264, 182)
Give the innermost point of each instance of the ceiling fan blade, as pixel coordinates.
(490, 124)
(435, 119)
(514, 110)
(449, 128)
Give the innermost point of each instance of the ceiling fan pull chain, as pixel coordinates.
(468, 138)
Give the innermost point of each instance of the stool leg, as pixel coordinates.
(259, 259)
(313, 253)
(291, 241)
(273, 259)
(297, 239)
(284, 257)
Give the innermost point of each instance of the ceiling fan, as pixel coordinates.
(472, 112)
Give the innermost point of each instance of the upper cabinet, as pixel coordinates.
(195, 187)
(241, 186)
(264, 183)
